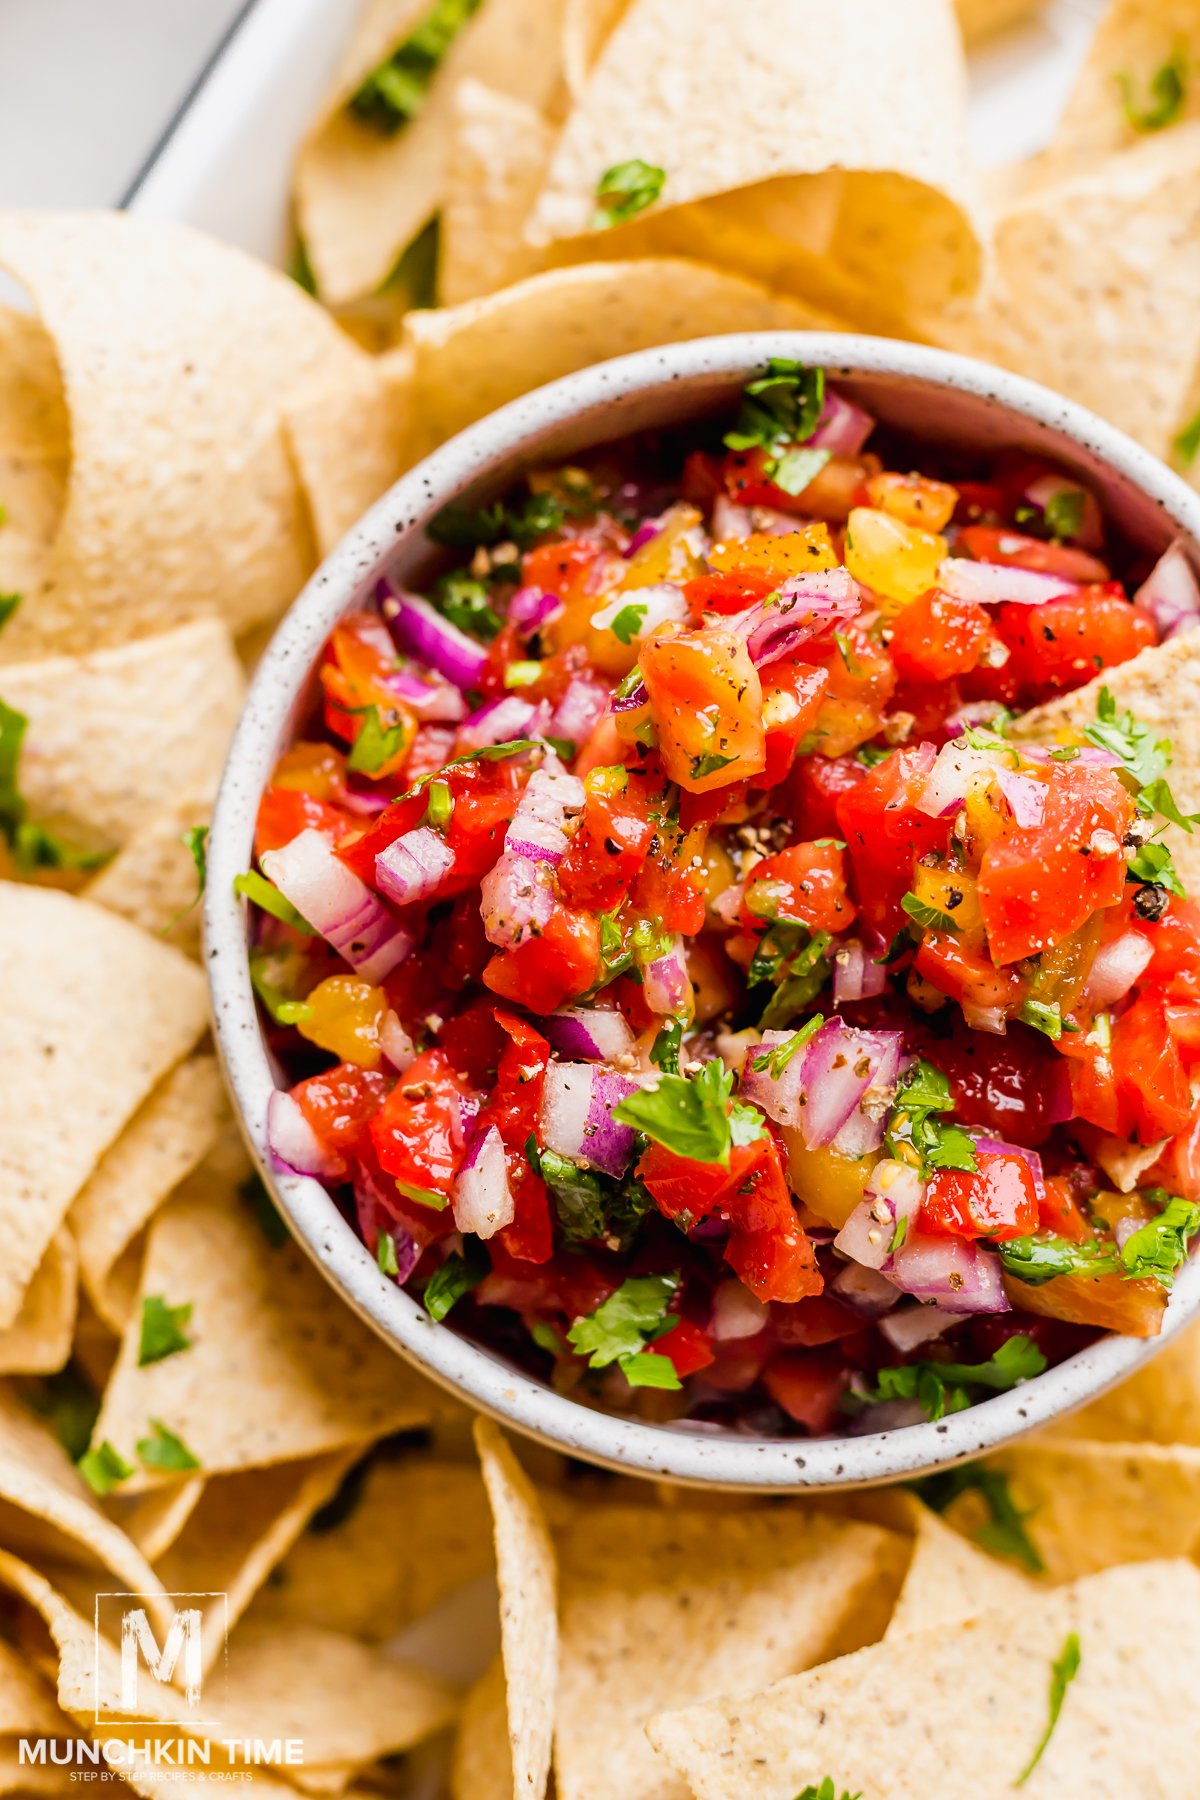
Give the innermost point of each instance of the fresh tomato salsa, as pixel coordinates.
(693, 979)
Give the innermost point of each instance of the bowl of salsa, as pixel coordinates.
(698, 911)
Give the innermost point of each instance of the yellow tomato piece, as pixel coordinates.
(316, 769)
(954, 893)
(706, 701)
(1110, 1301)
(779, 555)
(667, 556)
(897, 561)
(346, 1018)
(829, 1185)
(915, 499)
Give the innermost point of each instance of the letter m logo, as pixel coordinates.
(181, 1650)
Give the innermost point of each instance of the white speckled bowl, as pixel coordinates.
(932, 395)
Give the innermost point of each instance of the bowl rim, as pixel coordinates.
(687, 1455)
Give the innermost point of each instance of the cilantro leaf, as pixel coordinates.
(265, 895)
(8, 606)
(779, 409)
(625, 190)
(1063, 512)
(1153, 865)
(396, 90)
(794, 960)
(1035, 1260)
(195, 840)
(376, 743)
(794, 469)
(774, 1061)
(162, 1332)
(448, 1283)
(32, 846)
(591, 1206)
(929, 918)
(163, 1450)
(1166, 92)
(1157, 1250)
(645, 1369)
(686, 1114)
(467, 603)
(913, 1134)
(385, 1254)
(1062, 1674)
(621, 1326)
(709, 764)
(538, 516)
(871, 755)
(628, 622)
(939, 1385)
(1004, 1531)
(102, 1468)
(664, 1051)
(1044, 1018)
(826, 1792)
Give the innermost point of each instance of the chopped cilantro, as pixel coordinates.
(629, 621)
(690, 1114)
(1042, 1017)
(275, 975)
(871, 755)
(645, 1369)
(396, 91)
(773, 1062)
(467, 603)
(710, 764)
(1038, 1259)
(1144, 758)
(779, 410)
(1158, 1249)
(591, 1206)
(793, 960)
(8, 606)
(941, 1386)
(548, 1337)
(664, 1051)
(103, 1467)
(913, 1134)
(1004, 1532)
(32, 846)
(162, 1332)
(195, 841)
(489, 753)
(385, 1254)
(795, 469)
(625, 190)
(899, 946)
(826, 1792)
(564, 747)
(439, 806)
(1165, 95)
(899, 1234)
(376, 743)
(1064, 753)
(538, 516)
(1187, 442)
(1062, 1674)
(927, 917)
(292, 1012)
(264, 894)
(163, 1450)
(1063, 512)
(621, 1327)
(448, 1283)
(1153, 863)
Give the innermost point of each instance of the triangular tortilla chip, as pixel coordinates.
(278, 1366)
(1161, 687)
(349, 445)
(986, 18)
(480, 1769)
(27, 1705)
(1133, 41)
(152, 880)
(94, 1014)
(155, 1520)
(499, 152)
(39, 1339)
(904, 1717)
(587, 27)
(1094, 287)
(780, 90)
(34, 452)
(527, 1574)
(1160, 1404)
(470, 359)
(178, 355)
(167, 1138)
(662, 1609)
(114, 735)
(949, 1580)
(361, 197)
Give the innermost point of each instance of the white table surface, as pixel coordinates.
(88, 86)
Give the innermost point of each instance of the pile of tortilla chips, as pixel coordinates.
(190, 1422)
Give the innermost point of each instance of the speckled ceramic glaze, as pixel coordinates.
(932, 395)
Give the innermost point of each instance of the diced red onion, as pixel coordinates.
(729, 520)
(637, 696)
(514, 902)
(413, 867)
(367, 802)
(395, 1043)
(1116, 968)
(663, 604)
(435, 701)
(1039, 493)
(848, 1080)
(374, 1217)
(866, 1290)
(482, 1199)
(338, 905)
(646, 532)
(993, 584)
(580, 710)
(552, 798)
(599, 1033)
(893, 1194)
(1087, 756)
(293, 1144)
(1026, 796)
(856, 974)
(499, 721)
(913, 1325)
(576, 1118)
(957, 772)
(843, 428)
(666, 985)
(532, 607)
(736, 1313)
(420, 629)
(1171, 593)
(800, 608)
(1033, 1162)
(957, 1275)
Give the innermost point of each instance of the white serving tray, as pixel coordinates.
(225, 164)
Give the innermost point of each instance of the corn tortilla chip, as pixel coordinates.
(1090, 1506)
(500, 148)
(278, 1368)
(1134, 40)
(587, 27)
(34, 451)
(166, 1139)
(872, 89)
(177, 354)
(949, 1580)
(349, 446)
(152, 880)
(480, 1767)
(27, 1705)
(1160, 686)
(893, 1719)
(659, 1610)
(95, 1013)
(155, 1520)
(1094, 285)
(113, 736)
(470, 359)
(39, 1340)
(528, 1576)
(986, 18)
(1160, 1404)
(364, 1577)
(21, 1777)
(361, 197)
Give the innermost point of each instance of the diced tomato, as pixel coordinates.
(339, 1105)
(938, 636)
(1058, 1211)
(808, 1385)
(1065, 642)
(686, 1191)
(673, 895)
(998, 1201)
(862, 680)
(768, 1247)
(559, 565)
(966, 975)
(997, 544)
(821, 1319)
(474, 1043)
(685, 1347)
(1040, 883)
(832, 493)
(738, 1362)
(283, 813)
(514, 1109)
(731, 591)
(792, 694)
(544, 971)
(418, 1131)
(813, 790)
(1015, 1087)
(702, 480)
(401, 816)
(609, 846)
(706, 699)
(885, 834)
(1153, 1092)
(805, 882)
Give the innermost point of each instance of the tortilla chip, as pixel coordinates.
(893, 1719)
(152, 880)
(94, 1014)
(1094, 288)
(949, 1580)
(27, 1704)
(1160, 686)
(349, 445)
(115, 735)
(480, 1769)
(587, 27)
(987, 18)
(177, 356)
(875, 90)
(170, 1135)
(1160, 1404)
(500, 148)
(527, 1573)
(362, 197)
(1134, 39)
(34, 451)
(155, 1520)
(38, 1342)
(278, 1368)
(663, 1609)
(469, 359)
(1090, 1506)
(364, 1577)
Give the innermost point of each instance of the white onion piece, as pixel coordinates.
(992, 1019)
(666, 985)
(856, 974)
(483, 1200)
(993, 584)
(729, 520)
(395, 1043)
(662, 604)
(294, 1146)
(580, 710)
(736, 1313)
(866, 1290)
(913, 1325)
(500, 721)
(956, 1275)
(892, 1196)
(576, 1118)
(1116, 968)
(1171, 593)
(412, 867)
(338, 905)
(1125, 1163)
(957, 772)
